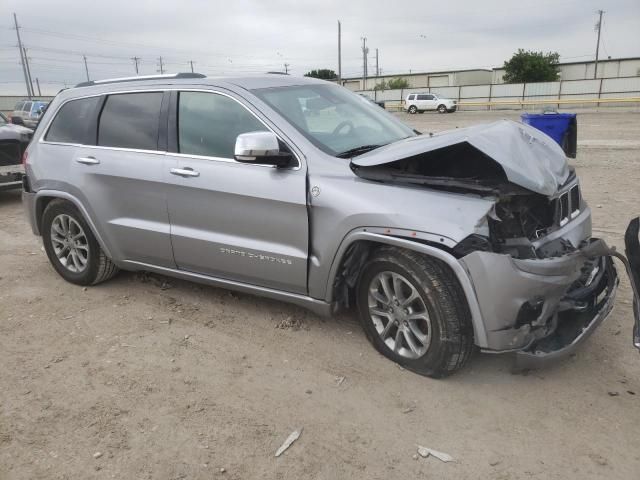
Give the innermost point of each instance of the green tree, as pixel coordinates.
(529, 66)
(322, 73)
(397, 83)
(381, 86)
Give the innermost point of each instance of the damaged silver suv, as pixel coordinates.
(296, 189)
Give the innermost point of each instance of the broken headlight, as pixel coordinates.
(473, 243)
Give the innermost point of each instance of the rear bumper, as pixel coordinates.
(11, 177)
(29, 205)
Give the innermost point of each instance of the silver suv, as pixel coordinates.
(296, 189)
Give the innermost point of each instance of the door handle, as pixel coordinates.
(88, 160)
(184, 172)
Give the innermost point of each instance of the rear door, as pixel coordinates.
(238, 221)
(118, 171)
(427, 102)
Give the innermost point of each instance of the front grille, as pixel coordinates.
(568, 205)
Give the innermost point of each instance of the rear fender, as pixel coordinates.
(41, 195)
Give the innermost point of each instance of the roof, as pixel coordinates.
(247, 82)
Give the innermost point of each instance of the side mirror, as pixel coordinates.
(260, 147)
(17, 121)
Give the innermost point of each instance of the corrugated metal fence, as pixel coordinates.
(568, 94)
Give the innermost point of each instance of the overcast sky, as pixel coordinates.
(254, 36)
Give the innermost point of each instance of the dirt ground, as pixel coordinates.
(164, 379)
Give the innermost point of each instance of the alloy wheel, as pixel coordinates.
(70, 243)
(399, 315)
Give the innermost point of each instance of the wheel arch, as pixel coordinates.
(354, 251)
(45, 197)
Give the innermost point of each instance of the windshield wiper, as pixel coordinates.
(352, 152)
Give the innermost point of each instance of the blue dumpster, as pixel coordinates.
(562, 127)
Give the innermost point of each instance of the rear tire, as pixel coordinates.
(71, 246)
(442, 109)
(413, 110)
(436, 344)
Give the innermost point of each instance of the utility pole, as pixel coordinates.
(365, 51)
(161, 66)
(598, 29)
(38, 84)
(339, 53)
(377, 65)
(24, 68)
(286, 68)
(86, 69)
(26, 62)
(135, 61)
(191, 63)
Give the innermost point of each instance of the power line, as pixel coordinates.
(135, 61)
(22, 60)
(598, 29)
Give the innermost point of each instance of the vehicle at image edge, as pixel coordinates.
(421, 102)
(13, 142)
(379, 103)
(296, 189)
(28, 112)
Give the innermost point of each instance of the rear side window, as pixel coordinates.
(73, 122)
(19, 106)
(130, 120)
(208, 124)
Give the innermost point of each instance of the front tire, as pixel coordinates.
(413, 109)
(71, 246)
(414, 312)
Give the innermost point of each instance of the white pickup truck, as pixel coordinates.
(420, 102)
(13, 142)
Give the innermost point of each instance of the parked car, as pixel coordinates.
(369, 99)
(294, 189)
(421, 102)
(28, 112)
(13, 142)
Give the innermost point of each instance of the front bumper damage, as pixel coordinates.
(543, 309)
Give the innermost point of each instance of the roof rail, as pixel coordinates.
(141, 77)
(277, 73)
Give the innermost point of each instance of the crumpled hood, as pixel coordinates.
(529, 158)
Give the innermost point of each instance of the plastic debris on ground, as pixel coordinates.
(287, 443)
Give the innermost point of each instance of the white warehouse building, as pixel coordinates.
(607, 68)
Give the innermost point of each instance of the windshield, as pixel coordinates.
(334, 119)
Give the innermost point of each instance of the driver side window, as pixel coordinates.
(323, 117)
(209, 123)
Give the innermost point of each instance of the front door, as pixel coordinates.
(237, 221)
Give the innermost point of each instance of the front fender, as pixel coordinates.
(480, 334)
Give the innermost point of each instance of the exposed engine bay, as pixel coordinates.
(520, 220)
